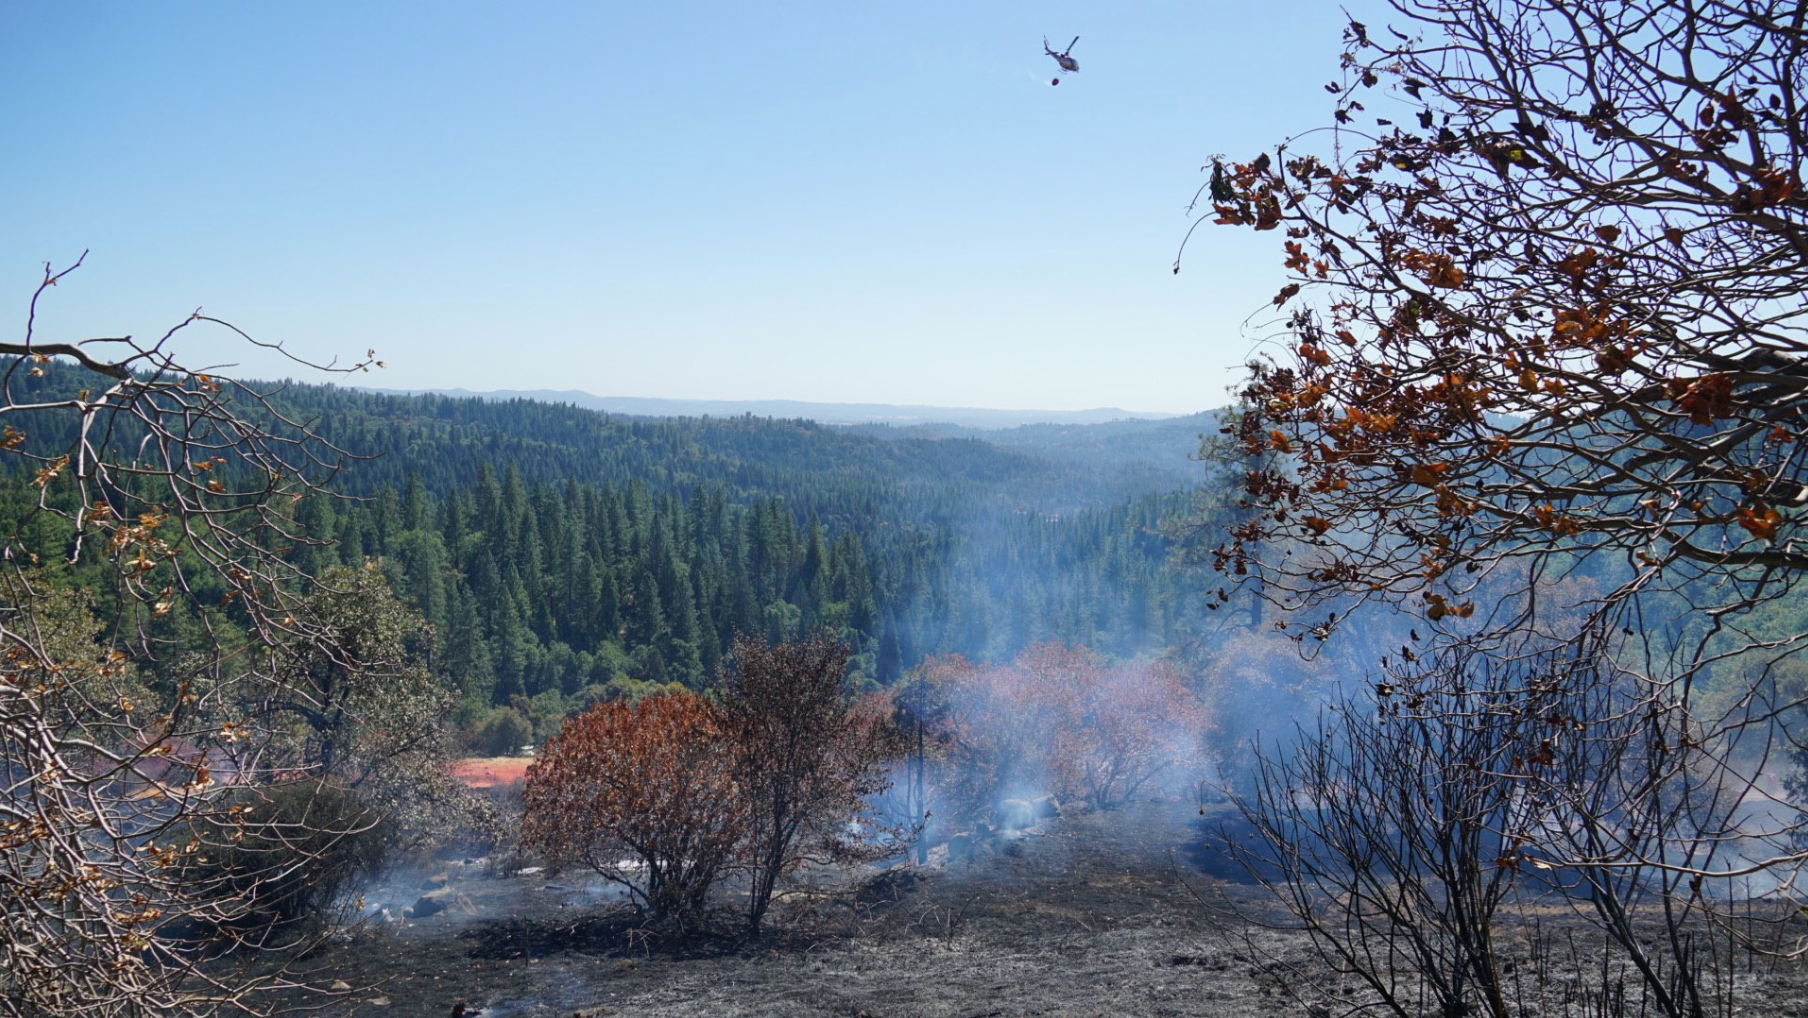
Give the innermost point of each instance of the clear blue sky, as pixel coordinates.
(834, 202)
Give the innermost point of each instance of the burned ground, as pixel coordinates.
(1119, 913)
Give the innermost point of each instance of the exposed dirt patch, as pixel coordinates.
(1101, 914)
(490, 771)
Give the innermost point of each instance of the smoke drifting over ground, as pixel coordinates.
(1113, 896)
(1122, 912)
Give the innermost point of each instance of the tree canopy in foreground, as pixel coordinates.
(1540, 382)
(148, 816)
(1553, 307)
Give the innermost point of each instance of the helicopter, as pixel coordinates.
(1062, 58)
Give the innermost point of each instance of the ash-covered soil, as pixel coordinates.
(1118, 913)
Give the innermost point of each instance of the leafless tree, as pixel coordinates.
(1407, 829)
(1385, 834)
(125, 751)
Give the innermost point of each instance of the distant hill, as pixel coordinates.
(979, 418)
(1161, 449)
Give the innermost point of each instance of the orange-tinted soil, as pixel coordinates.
(490, 771)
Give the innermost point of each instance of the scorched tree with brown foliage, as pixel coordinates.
(809, 759)
(645, 794)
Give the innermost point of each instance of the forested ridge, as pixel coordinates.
(562, 556)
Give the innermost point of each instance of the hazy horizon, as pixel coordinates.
(906, 404)
(827, 412)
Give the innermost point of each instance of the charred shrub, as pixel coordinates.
(643, 794)
(668, 795)
(808, 760)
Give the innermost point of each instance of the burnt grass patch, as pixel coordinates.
(616, 933)
(1120, 913)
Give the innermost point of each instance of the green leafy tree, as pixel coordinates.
(360, 750)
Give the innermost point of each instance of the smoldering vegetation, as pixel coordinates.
(1034, 853)
(1127, 911)
(1257, 824)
